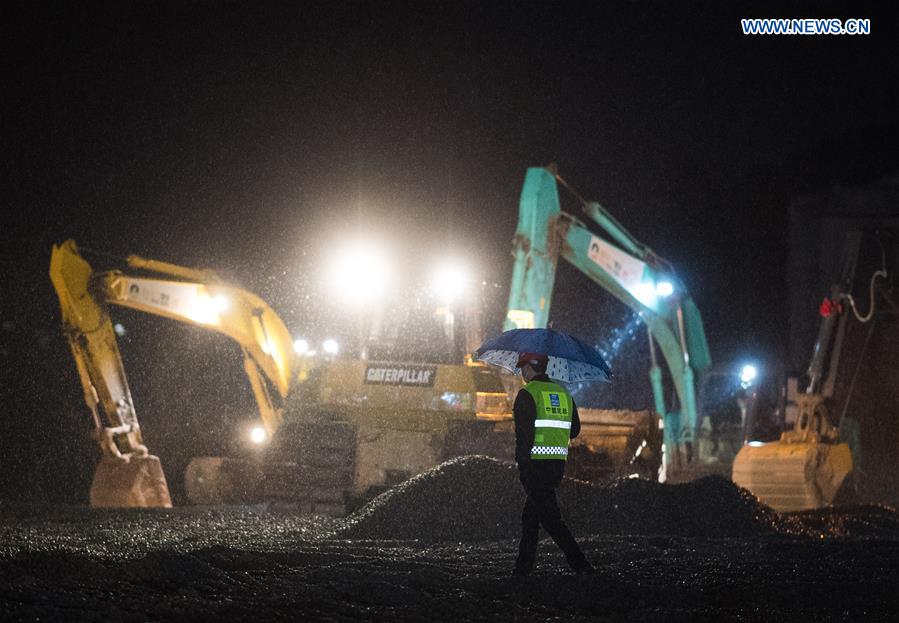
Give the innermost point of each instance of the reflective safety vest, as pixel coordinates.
(553, 424)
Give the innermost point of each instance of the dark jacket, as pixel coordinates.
(525, 413)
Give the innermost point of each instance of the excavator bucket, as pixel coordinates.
(130, 482)
(793, 475)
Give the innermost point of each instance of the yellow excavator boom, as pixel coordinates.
(127, 474)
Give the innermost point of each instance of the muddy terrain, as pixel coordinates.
(441, 546)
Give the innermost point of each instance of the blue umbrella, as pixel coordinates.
(570, 360)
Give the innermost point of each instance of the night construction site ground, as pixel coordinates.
(440, 547)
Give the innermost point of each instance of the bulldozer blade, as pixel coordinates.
(130, 482)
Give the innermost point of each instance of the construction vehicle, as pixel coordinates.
(813, 464)
(127, 474)
(647, 284)
(362, 426)
(337, 430)
(407, 399)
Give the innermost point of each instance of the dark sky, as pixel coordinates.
(251, 137)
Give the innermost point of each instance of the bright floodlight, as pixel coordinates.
(748, 374)
(645, 292)
(301, 347)
(258, 435)
(119, 329)
(359, 274)
(330, 346)
(664, 288)
(448, 283)
(205, 309)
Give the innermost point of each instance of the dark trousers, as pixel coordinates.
(540, 479)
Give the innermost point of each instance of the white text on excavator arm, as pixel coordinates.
(127, 475)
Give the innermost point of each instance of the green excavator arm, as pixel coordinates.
(622, 266)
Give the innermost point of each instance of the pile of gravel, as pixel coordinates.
(474, 498)
(470, 498)
(845, 521)
(136, 532)
(711, 507)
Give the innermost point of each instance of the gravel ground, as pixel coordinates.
(421, 552)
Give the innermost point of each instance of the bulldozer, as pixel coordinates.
(357, 427)
(402, 398)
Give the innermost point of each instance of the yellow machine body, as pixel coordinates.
(397, 419)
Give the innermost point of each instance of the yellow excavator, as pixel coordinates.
(127, 474)
(810, 464)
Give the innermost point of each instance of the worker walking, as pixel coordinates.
(545, 419)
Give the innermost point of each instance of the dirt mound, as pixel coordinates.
(845, 521)
(476, 497)
(710, 507)
(469, 498)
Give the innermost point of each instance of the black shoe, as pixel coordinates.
(517, 572)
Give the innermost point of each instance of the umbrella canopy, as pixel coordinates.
(570, 360)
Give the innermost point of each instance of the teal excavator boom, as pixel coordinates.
(628, 270)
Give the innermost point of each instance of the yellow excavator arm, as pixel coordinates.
(194, 297)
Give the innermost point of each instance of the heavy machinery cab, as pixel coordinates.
(737, 409)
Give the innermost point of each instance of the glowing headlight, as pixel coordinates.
(664, 288)
(258, 435)
(206, 310)
(301, 347)
(448, 283)
(748, 374)
(360, 274)
(645, 292)
(330, 346)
